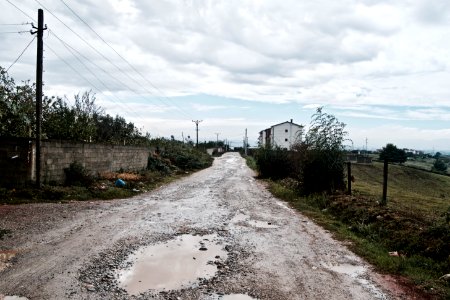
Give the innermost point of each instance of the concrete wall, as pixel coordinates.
(58, 155)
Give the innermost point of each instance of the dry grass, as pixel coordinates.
(124, 175)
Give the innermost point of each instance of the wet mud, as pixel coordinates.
(217, 234)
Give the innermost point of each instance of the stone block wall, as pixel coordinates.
(17, 159)
(96, 158)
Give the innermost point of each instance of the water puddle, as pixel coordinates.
(262, 224)
(237, 297)
(5, 257)
(239, 218)
(352, 270)
(172, 265)
(12, 298)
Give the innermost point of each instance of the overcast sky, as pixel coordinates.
(381, 67)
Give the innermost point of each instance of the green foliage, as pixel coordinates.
(83, 121)
(319, 159)
(183, 156)
(17, 107)
(156, 163)
(439, 165)
(273, 162)
(76, 174)
(392, 154)
(317, 163)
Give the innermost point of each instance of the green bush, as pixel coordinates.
(77, 175)
(273, 162)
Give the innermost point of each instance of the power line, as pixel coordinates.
(118, 102)
(125, 60)
(21, 54)
(21, 10)
(19, 32)
(101, 54)
(17, 24)
(72, 50)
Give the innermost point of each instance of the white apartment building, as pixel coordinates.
(283, 135)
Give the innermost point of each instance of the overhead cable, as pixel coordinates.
(17, 59)
(124, 59)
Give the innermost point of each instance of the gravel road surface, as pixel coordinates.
(260, 248)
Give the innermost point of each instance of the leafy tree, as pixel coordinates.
(60, 121)
(392, 154)
(17, 107)
(319, 159)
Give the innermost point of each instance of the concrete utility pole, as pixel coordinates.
(196, 129)
(217, 139)
(39, 70)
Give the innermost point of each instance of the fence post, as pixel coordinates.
(385, 179)
(349, 178)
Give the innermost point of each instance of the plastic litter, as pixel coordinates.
(119, 183)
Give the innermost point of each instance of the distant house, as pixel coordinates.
(283, 135)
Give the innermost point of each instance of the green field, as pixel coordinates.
(409, 189)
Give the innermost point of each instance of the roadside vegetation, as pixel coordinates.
(172, 160)
(409, 237)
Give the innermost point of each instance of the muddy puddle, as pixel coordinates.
(348, 269)
(242, 218)
(236, 297)
(172, 265)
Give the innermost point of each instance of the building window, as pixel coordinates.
(285, 130)
(285, 140)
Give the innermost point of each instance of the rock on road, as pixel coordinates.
(73, 250)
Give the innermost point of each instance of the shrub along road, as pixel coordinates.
(266, 250)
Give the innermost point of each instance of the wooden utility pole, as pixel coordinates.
(385, 180)
(39, 70)
(196, 129)
(349, 178)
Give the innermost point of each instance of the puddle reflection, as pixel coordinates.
(172, 265)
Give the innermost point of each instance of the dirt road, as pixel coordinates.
(258, 247)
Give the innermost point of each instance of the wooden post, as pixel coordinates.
(39, 70)
(385, 179)
(349, 178)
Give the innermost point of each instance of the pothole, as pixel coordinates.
(2, 297)
(172, 265)
(236, 297)
(348, 269)
(240, 218)
(262, 224)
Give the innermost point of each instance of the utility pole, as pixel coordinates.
(39, 70)
(217, 139)
(196, 129)
(245, 142)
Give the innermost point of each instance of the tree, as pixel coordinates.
(319, 160)
(392, 154)
(439, 165)
(17, 107)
